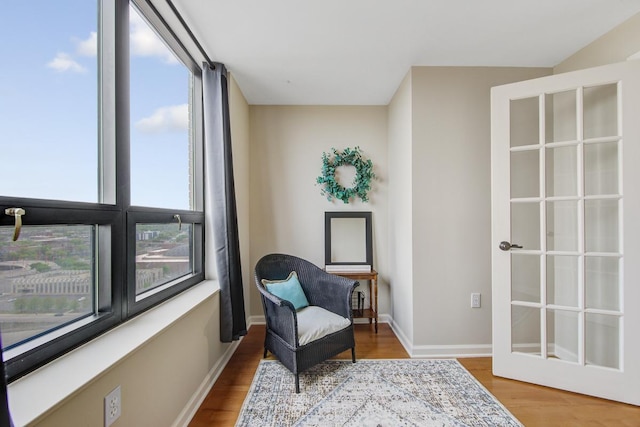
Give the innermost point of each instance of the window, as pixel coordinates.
(161, 167)
(47, 279)
(163, 254)
(101, 119)
(48, 101)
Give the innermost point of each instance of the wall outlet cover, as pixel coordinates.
(475, 300)
(112, 406)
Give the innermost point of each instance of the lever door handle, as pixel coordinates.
(506, 246)
(17, 214)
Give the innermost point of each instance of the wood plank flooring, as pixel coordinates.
(533, 405)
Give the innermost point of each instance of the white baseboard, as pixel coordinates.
(404, 340)
(446, 351)
(198, 397)
(420, 351)
(257, 320)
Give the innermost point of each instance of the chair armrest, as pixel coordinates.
(275, 299)
(331, 292)
(280, 317)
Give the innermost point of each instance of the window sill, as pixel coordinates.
(33, 395)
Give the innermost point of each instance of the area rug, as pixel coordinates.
(379, 393)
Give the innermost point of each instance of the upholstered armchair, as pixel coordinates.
(301, 336)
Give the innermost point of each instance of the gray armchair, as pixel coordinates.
(297, 338)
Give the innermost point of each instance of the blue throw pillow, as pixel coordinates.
(288, 289)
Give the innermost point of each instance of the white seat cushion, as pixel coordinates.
(316, 322)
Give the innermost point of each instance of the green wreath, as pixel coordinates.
(362, 182)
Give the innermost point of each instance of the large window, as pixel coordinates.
(161, 167)
(49, 100)
(100, 127)
(47, 279)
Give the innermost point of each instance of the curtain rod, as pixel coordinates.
(173, 33)
(193, 38)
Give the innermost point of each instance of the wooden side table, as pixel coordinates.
(370, 313)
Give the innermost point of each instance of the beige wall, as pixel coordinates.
(287, 209)
(157, 380)
(400, 138)
(451, 201)
(615, 46)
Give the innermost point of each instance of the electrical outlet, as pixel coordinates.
(112, 406)
(475, 300)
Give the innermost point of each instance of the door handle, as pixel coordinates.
(17, 214)
(505, 246)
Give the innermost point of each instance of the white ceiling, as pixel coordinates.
(356, 52)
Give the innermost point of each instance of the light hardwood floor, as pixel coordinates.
(533, 405)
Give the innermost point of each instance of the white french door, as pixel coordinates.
(566, 231)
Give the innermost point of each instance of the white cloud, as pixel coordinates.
(145, 42)
(88, 47)
(63, 63)
(172, 118)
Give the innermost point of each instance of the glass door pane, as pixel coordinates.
(525, 277)
(562, 226)
(525, 225)
(525, 174)
(601, 225)
(525, 330)
(562, 280)
(600, 116)
(525, 122)
(601, 169)
(602, 340)
(602, 282)
(561, 171)
(560, 116)
(562, 335)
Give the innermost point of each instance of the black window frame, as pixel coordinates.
(136, 216)
(114, 217)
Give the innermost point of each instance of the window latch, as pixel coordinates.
(17, 214)
(177, 217)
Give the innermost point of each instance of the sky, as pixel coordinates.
(49, 107)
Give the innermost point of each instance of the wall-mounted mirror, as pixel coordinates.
(347, 239)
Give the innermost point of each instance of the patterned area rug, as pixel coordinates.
(378, 393)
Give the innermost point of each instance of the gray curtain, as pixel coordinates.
(221, 201)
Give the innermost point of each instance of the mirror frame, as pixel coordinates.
(328, 216)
